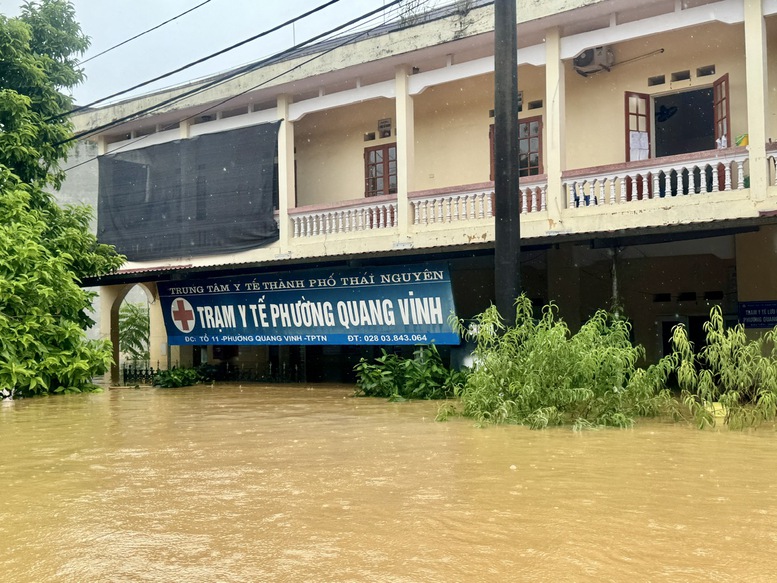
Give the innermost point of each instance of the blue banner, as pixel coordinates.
(758, 314)
(407, 304)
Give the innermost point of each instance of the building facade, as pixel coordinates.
(646, 158)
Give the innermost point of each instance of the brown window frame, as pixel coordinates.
(637, 118)
(721, 103)
(370, 182)
(521, 122)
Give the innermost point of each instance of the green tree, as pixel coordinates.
(134, 330)
(45, 250)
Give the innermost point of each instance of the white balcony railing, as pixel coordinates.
(367, 215)
(688, 174)
(700, 173)
(451, 205)
(771, 154)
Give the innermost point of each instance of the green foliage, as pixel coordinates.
(537, 373)
(207, 372)
(422, 377)
(44, 250)
(730, 375)
(134, 330)
(43, 347)
(40, 50)
(176, 377)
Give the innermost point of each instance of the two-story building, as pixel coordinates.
(646, 160)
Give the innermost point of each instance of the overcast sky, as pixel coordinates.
(212, 27)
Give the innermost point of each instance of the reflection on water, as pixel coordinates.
(261, 483)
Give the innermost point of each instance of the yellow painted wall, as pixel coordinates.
(595, 105)
(452, 128)
(330, 150)
(452, 120)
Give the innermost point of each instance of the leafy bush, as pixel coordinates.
(422, 377)
(134, 330)
(207, 372)
(176, 377)
(537, 373)
(738, 373)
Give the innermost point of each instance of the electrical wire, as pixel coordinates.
(200, 112)
(347, 40)
(286, 72)
(229, 76)
(198, 61)
(160, 25)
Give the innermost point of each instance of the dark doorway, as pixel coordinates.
(684, 122)
(696, 334)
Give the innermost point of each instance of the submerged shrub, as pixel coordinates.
(737, 373)
(177, 377)
(537, 373)
(393, 377)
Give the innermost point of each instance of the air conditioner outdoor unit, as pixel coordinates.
(594, 60)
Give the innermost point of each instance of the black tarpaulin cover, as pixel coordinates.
(210, 194)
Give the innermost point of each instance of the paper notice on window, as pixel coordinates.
(639, 146)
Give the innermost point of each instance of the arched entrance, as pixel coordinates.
(111, 300)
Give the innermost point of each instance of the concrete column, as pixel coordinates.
(286, 178)
(405, 148)
(757, 96)
(184, 129)
(757, 265)
(110, 300)
(564, 284)
(157, 339)
(555, 126)
(756, 255)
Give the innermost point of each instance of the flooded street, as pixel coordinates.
(260, 483)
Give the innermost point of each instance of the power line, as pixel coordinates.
(227, 77)
(124, 42)
(198, 61)
(200, 112)
(286, 72)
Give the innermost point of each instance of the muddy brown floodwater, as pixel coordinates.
(260, 483)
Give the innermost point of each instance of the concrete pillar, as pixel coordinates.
(756, 255)
(757, 265)
(110, 300)
(286, 177)
(757, 96)
(157, 338)
(405, 148)
(184, 129)
(555, 126)
(184, 356)
(564, 284)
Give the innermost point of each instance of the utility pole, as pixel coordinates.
(507, 252)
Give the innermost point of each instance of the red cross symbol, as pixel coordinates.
(183, 315)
